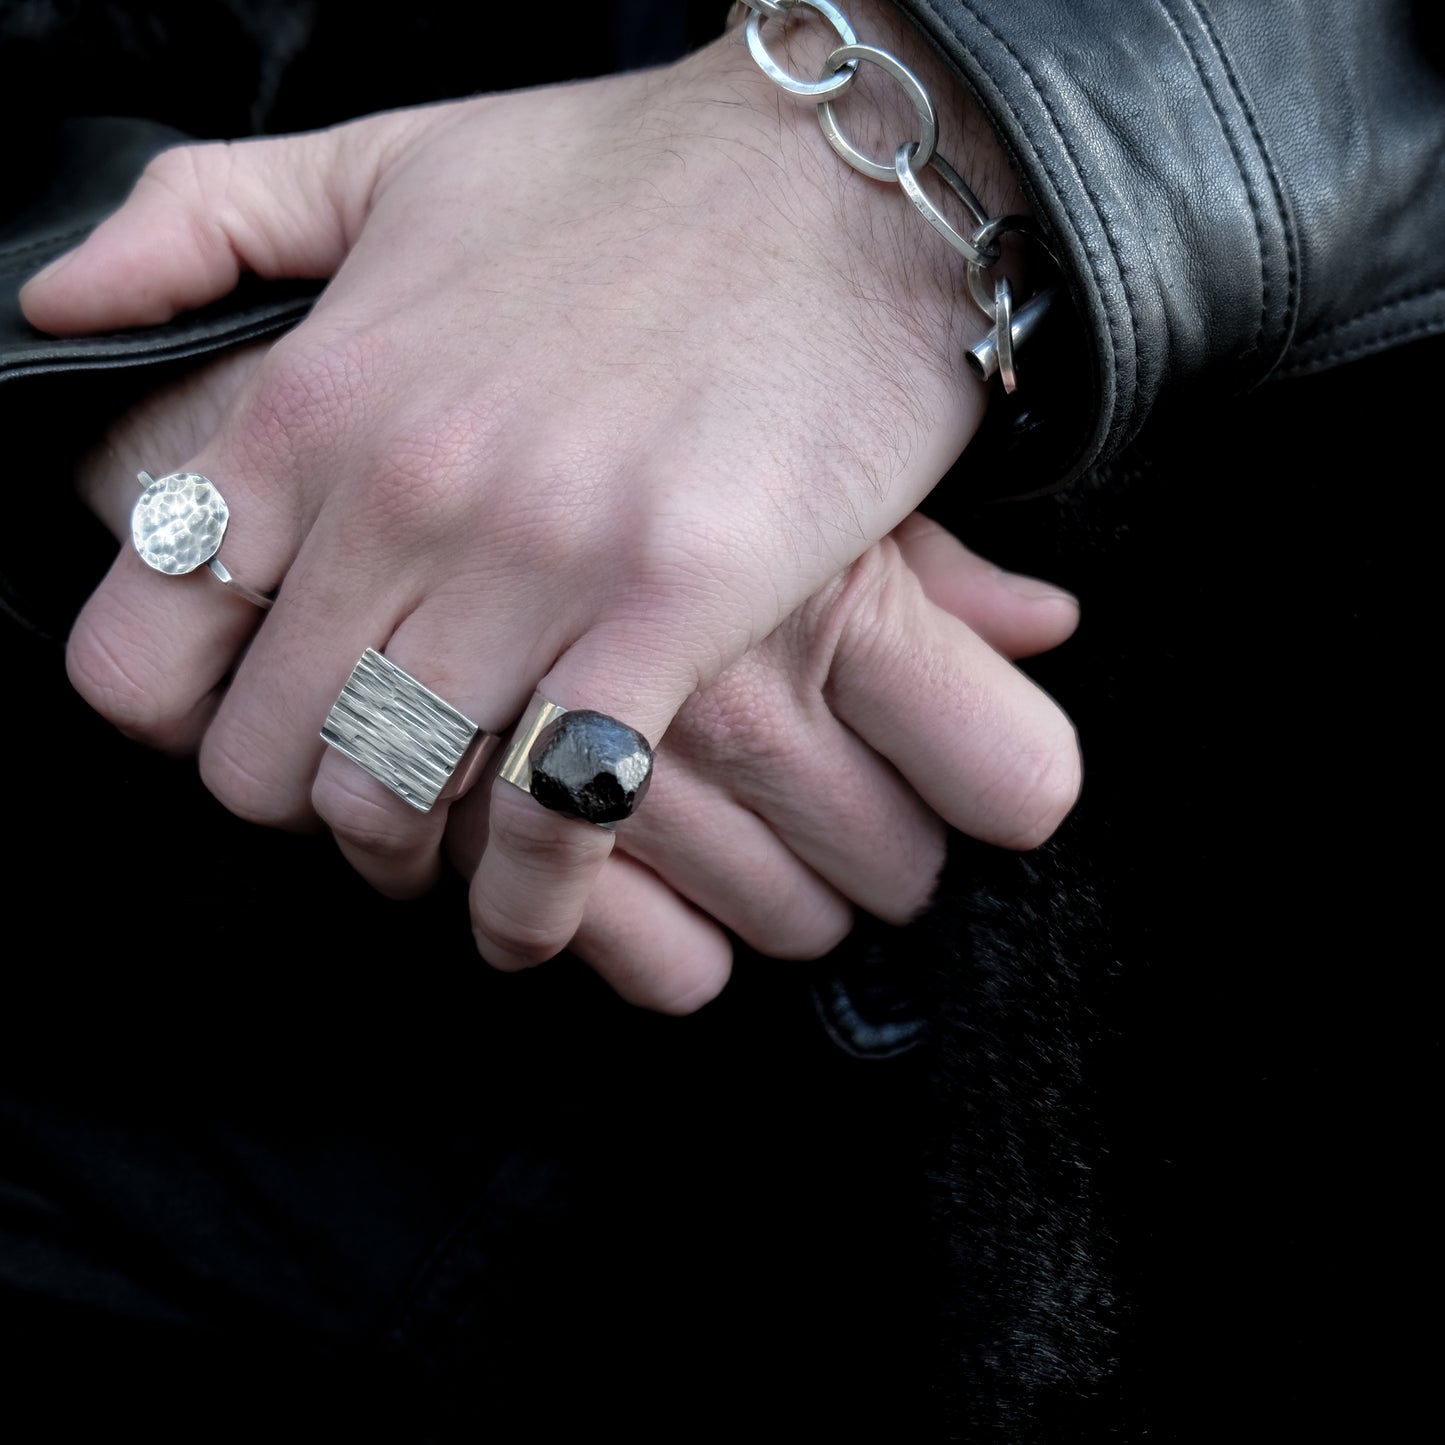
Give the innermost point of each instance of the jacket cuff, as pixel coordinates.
(1154, 190)
(1234, 191)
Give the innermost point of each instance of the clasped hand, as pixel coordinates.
(602, 399)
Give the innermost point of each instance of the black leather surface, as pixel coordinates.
(1236, 189)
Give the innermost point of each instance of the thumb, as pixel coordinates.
(200, 216)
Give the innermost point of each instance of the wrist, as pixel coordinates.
(906, 218)
(965, 135)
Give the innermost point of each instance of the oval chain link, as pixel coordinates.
(967, 247)
(982, 249)
(922, 104)
(833, 83)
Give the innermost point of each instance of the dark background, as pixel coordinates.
(277, 1155)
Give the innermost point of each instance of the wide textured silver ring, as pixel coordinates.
(577, 762)
(404, 735)
(179, 522)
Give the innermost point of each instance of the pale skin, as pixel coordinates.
(626, 391)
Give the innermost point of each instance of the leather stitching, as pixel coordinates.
(1227, 131)
(62, 240)
(1060, 136)
(1431, 326)
(1282, 211)
(1406, 298)
(1313, 359)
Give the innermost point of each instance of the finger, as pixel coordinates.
(532, 884)
(151, 651)
(649, 944)
(359, 708)
(201, 215)
(763, 738)
(396, 739)
(1019, 615)
(981, 743)
(431, 628)
(841, 807)
(705, 849)
(730, 863)
(769, 738)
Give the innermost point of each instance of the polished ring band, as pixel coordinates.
(579, 763)
(179, 522)
(404, 735)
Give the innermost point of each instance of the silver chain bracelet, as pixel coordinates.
(982, 248)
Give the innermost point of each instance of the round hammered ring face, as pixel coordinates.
(178, 523)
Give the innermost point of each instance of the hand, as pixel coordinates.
(609, 380)
(814, 775)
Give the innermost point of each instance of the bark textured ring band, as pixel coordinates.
(404, 735)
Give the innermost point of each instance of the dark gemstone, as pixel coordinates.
(590, 766)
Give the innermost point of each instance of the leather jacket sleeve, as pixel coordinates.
(1236, 190)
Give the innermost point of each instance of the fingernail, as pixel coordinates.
(1036, 589)
(52, 268)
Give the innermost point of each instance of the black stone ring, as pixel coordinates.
(579, 763)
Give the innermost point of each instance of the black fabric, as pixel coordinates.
(1128, 1139)
(1192, 1050)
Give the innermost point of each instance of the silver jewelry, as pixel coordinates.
(817, 90)
(404, 735)
(179, 522)
(577, 762)
(1010, 328)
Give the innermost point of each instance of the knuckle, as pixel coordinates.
(911, 890)
(730, 723)
(675, 987)
(505, 926)
(346, 801)
(803, 933)
(195, 178)
(183, 171)
(683, 994)
(124, 684)
(415, 483)
(312, 387)
(231, 765)
(793, 922)
(110, 682)
(869, 609)
(423, 485)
